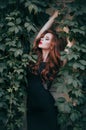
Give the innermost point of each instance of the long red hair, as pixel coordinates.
(53, 60)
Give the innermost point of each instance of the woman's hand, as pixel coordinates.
(66, 29)
(55, 14)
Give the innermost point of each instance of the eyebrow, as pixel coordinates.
(47, 37)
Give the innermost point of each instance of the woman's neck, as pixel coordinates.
(45, 55)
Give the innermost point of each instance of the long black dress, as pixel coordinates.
(41, 113)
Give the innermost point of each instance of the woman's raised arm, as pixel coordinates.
(48, 24)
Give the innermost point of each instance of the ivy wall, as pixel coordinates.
(19, 22)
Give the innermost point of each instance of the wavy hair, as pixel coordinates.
(53, 62)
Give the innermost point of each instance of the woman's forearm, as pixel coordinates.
(48, 24)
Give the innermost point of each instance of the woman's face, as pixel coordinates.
(45, 42)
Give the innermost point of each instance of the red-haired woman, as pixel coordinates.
(42, 113)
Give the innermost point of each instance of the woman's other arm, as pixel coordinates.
(69, 43)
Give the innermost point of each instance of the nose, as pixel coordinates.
(41, 39)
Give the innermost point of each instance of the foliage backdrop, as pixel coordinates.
(19, 22)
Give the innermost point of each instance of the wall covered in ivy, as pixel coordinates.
(20, 20)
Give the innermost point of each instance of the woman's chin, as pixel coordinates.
(40, 46)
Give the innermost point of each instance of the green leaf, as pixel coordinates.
(20, 77)
(27, 3)
(69, 79)
(10, 90)
(2, 67)
(27, 24)
(12, 1)
(1, 80)
(83, 62)
(60, 88)
(1, 104)
(1, 93)
(77, 128)
(31, 59)
(12, 49)
(2, 47)
(67, 108)
(75, 84)
(16, 29)
(32, 7)
(21, 109)
(18, 52)
(78, 65)
(78, 31)
(11, 43)
(77, 93)
(64, 107)
(19, 71)
(61, 100)
(11, 24)
(18, 20)
(11, 29)
(33, 29)
(29, 28)
(75, 116)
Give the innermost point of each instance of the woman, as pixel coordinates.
(42, 113)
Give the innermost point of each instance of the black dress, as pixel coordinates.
(41, 111)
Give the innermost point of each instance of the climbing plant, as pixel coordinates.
(70, 85)
(19, 22)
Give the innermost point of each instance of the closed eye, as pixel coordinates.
(47, 38)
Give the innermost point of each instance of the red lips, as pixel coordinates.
(40, 42)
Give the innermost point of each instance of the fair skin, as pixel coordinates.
(70, 44)
(45, 44)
